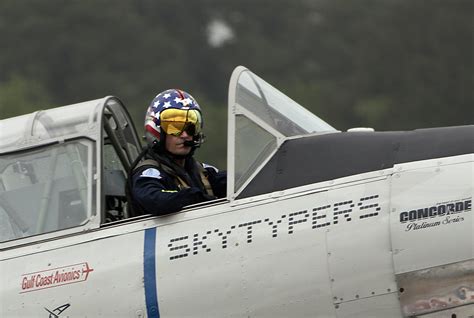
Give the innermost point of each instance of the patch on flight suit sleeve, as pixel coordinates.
(151, 173)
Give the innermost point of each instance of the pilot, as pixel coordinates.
(169, 178)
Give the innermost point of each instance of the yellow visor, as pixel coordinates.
(176, 121)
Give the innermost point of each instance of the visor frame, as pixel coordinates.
(176, 121)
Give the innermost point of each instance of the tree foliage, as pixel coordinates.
(388, 64)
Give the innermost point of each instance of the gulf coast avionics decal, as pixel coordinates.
(314, 218)
(438, 214)
(55, 277)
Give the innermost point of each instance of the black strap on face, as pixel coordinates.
(196, 142)
(189, 143)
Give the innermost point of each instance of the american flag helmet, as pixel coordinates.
(169, 99)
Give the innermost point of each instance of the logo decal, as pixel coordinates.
(57, 311)
(151, 173)
(438, 214)
(55, 277)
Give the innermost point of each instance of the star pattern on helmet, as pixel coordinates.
(183, 101)
(187, 101)
(166, 96)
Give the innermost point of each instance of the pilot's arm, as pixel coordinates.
(156, 193)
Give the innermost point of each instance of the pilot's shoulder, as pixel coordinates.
(148, 169)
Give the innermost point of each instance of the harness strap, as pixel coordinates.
(205, 180)
(182, 184)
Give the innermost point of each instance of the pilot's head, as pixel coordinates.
(173, 123)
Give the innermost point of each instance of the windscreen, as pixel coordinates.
(276, 109)
(254, 145)
(263, 118)
(45, 189)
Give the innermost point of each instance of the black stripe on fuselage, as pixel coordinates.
(319, 158)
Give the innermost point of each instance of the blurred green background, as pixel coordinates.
(386, 64)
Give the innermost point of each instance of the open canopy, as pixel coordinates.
(57, 164)
(51, 125)
(260, 119)
(71, 161)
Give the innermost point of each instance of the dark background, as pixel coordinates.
(386, 64)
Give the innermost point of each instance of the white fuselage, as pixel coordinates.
(339, 248)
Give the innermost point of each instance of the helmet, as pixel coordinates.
(172, 112)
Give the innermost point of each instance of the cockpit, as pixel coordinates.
(64, 169)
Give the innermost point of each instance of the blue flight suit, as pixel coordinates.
(160, 187)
